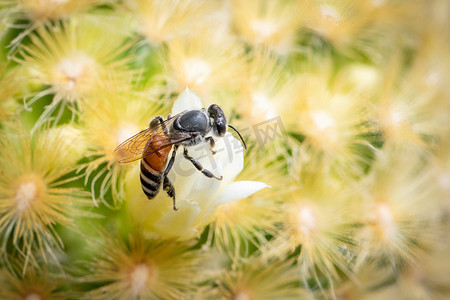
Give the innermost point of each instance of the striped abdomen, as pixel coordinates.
(152, 170)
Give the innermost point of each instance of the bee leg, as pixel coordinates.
(199, 166)
(170, 190)
(156, 121)
(172, 159)
(212, 143)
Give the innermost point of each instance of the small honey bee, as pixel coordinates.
(153, 145)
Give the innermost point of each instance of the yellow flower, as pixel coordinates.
(74, 59)
(399, 210)
(367, 26)
(198, 197)
(51, 10)
(440, 166)
(112, 118)
(240, 224)
(317, 228)
(33, 285)
(268, 24)
(204, 63)
(427, 277)
(161, 21)
(39, 13)
(139, 268)
(370, 283)
(408, 115)
(33, 198)
(331, 124)
(267, 91)
(70, 139)
(430, 73)
(256, 278)
(364, 79)
(337, 21)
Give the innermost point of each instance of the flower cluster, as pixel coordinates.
(335, 184)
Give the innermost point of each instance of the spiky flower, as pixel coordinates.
(33, 195)
(204, 63)
(256, 278)
(198, 197)
(34, 285)
(336, 21)
(268, 24)
(267, 89)
(426, 278)
(350, 24)
(160, 21)
(399, 205)
(32, 14)
(344, 106)
(332, 125)
(409, 117)
(71, 60)
(317, 229)
(365, 285)
(428, 71)
(50, 10)
(361, 78)
(140, 268)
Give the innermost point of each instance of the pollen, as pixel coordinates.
(396, 117)
(197, 71)
(33, 296)
(28, 193)
(384, 220)
(444, 181)
(322, 120)
(140, 277)
(264, 28)
(242, 295)
(306, 220)
(268, 24)
(262, 106)
(330, 14)
(325, 127)
(71, 70)
(378, 2)
(433, 78)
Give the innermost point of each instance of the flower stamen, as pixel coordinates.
(28, 193)
(139, 278)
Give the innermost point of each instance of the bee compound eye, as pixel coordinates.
(221, 126)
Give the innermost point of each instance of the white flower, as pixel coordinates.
(197, 196)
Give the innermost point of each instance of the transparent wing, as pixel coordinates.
(145, 142)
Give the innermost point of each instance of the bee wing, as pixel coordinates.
(143, 143)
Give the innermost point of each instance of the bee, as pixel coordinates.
(153, 145)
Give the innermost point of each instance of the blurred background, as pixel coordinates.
(343, 192)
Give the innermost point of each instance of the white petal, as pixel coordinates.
(239, 190)
(187, 100)
(235, 158)
(179, 224)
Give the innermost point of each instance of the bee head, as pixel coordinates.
(219, 123)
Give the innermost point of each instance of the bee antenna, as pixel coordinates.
(243, 142)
